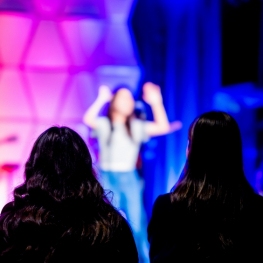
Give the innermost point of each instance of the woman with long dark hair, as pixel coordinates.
(212, 213)
(61, 213)
(120, 135)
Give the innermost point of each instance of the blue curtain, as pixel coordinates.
(178, 44)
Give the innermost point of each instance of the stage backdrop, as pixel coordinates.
(53, 56)
(55, 53)
(205, 54)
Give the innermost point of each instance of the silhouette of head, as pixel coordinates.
(60, 165)
(214, 145)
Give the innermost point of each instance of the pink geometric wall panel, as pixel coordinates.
(46, 89)
(47, 47)
(118, 10)
(82, 37)
(14, 102)
(80, 94)
(15, 140)
(13, 39)
(49, 8)
(53, 56)
(5, 186)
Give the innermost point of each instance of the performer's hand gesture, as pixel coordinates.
(152, 94)
(91, 114)
(104, 94)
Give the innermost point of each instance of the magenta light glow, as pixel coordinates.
(52, 59)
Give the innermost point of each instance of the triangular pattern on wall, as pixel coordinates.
(53, 57)
(46, 48)
(14, 101)
(12, 40)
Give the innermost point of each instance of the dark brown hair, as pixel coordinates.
(61, 206)
(213, 186)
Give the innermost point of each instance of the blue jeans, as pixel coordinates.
(127, 189)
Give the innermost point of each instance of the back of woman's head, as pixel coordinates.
(215, 147)
(212, 191)
(60, 206)
(60, 166)
(214, 165)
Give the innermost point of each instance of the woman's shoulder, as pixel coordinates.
(162, 204)
(165, 207)
(125, 242)
(256, 204)
(163, 199)
(161, 221)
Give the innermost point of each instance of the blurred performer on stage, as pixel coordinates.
(120, 135)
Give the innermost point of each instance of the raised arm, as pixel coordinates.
(91, 114)
(160, 124)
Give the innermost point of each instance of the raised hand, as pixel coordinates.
(91, 114)
(104, 93)
(152, 94)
